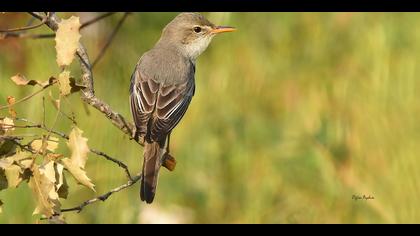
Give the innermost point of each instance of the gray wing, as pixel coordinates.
(158, 108)
(171, 105)
(142, 101)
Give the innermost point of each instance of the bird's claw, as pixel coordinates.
(168, 161)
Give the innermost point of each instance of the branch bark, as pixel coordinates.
(88, 93)
(103, 197)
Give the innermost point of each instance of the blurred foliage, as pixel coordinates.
(293, 114)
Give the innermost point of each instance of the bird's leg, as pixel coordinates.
(167, 145)
(134, 133)
(169, 161)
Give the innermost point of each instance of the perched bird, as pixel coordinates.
(162, 87)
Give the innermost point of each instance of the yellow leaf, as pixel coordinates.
(19, 156)
(78, 147)
(5, 163)
(78, 173)
(26, 163)
(64, 83)
(42, 187)
(59, 173)
(39, 145)
(1, 204)
(67, 40)
(48, 171)
(67, 84)
(13, 176)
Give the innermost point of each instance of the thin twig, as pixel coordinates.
(103, 197)
(65, 136)
(43, 110)
(25, 27)
(89, 22)
(40, 126)
(45, 36)
(29, 96)
(109, 40)
(119, 163)
(37, 15)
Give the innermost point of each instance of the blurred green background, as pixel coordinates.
(293, 114)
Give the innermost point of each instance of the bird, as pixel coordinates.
(162, 87)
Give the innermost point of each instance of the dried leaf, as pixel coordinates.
(5, 163)
(67, 84)
(58, 169)
(42, 187)
(63, 188)
(13, 175)
(19, 156)
(78, 173)
(67, 40)
(40, 145)
(64, 83)
(3, 180)
(10, 101)
(7, 147)
(53, 156)
(24, 161)
(48, 171)
(57, 219)
(6, 125)
(21, 80)
(50, 81)
(78, 147)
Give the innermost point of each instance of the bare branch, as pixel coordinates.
(105, 196)
(110, 38)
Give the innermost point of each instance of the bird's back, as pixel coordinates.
(166, 66)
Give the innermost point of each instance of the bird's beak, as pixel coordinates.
(222, 29)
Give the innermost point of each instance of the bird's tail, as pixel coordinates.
(151, 165)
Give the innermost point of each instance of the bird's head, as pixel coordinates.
(191, 33)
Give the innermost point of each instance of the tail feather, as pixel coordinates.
(151, 166)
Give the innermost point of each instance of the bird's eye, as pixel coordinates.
(197, 29)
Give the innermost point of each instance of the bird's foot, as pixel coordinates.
(168, 161)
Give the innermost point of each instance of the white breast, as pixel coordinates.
(196, 47)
